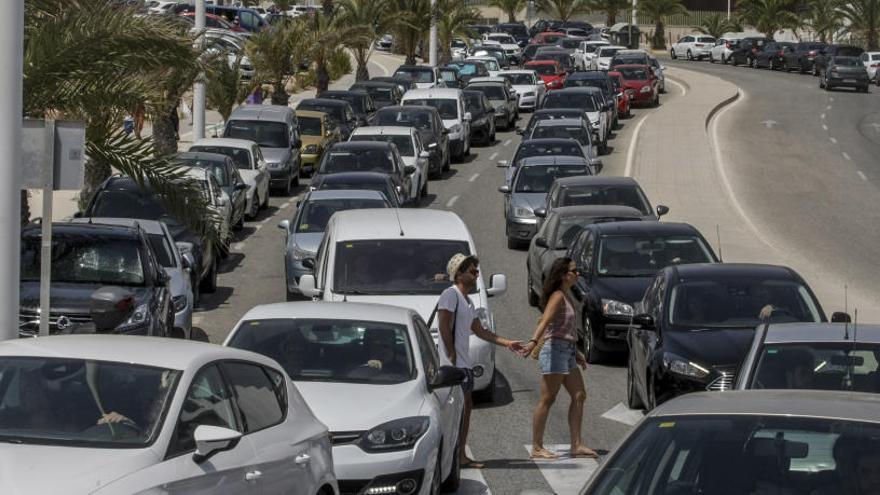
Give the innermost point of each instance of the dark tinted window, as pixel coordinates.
(316, 214)
(86, 259)
(403, 142)
(335, 111)
(558, 99)
(240, 156)
(575, 132)
(403, 118)
(633, 74)
(492, 91)
(819, 366)
(543, 69)
(162, 250)
(643, 255)
(539, 178)
(368, 160)
(528, 149)
(416, 74)
(266, 134)
(309, 126)
(604, 195)
(261, 400)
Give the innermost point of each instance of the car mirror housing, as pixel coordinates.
(541, 242)
(307, 282)
(497, 285)
(211, 440)
(662, 210)
(502, 164)
(541, 212)
(644, 321)
(504, 189)
(284, 225)
(840, 317)
(447, 376)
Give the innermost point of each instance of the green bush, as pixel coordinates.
(306, 79)
(339, 64)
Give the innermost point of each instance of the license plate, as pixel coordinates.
(849, 80)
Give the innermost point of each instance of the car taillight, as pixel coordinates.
(811, 53)
(875, 65)
(780, 53)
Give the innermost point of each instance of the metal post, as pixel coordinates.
(432, 44)
(46, 232)
(728, 10)
(198, 109)
(11, 57)
(632, 23)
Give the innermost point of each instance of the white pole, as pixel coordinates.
(46, 232)
(432, 45)
(728, 10)
(633, 23)
(199, 87)
(11, 57)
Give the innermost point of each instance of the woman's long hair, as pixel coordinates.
(553, 282)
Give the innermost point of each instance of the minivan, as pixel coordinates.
(275, 129)
(451, 105)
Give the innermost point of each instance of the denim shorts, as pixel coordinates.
(557, 356)
(468, 384)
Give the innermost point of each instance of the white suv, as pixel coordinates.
(722, 50)
(692, 47)
(450, 103)
(398, 256)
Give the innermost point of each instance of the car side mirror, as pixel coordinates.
(497, 285)
(597, 164)
(409, 170)
(425, 154)
(644, 321)
(447, 376)
(188, 261)
(307, 282)
(840, 317)
(211, 440)
(541, 212)
(504, 189)
(467, 117)
(662, 210)
(541, 242)
(502, 164)
(284, 225)
(78, 214)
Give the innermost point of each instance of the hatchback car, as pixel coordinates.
(252, 168)
(590, 101)
(369, 181)
(576, 129)
(586, 50)
(772, 55)
(550, 71)
(601, 190)
(540, 147)
(745, 50)
(224, 171)
(424, 77)
(482, 117)
(372, 374)
(318, 132)
(468, 69)
(428, 124)
(803, 56)
(411, 150)
(844, 72)
(722, 49)
(120, 415)
(450, 104)
(370, 156)
(602, 82)
(644, 84)
(692, 47)
(604, 54)
(361, 103)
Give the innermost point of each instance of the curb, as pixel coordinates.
(717, 108)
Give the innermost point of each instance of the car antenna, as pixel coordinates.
(718, 236)
(846, 310)
(397, 216)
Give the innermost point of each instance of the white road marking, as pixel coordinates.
(451, 201)
(862, 175)
(494, 156)
(683, 89)
(473, 177)
(384, 69)
(631, 152)
(846, 155)
(828, 107)
(265, 220)
(565, 475)
(822, 116)
(506, 143)
(833, 141)
(258, 227)
(623, 414)
(284, 205)
(824, 127)
(472, 480)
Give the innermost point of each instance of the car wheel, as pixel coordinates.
(467, 151)
(209, 283)
(723, 60)
(815, 71)
(632, 396)
(487, 395)
(512, 243)
(453, 480)
(672, 54)
(711, 58)
(424, 191)
(592, 354)
(530, 291)
(689, 56)
(733, 61)
(296, 179)
(285, 191)
(435, 479)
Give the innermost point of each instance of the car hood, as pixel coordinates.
(249, 176)
(498, 104)
(307, 140)
(723, 347)
(530, 200)
(77, 470)
(375, 404)
(68, 298)
(307, 241)
(522, 89)
(423, 304)
(275, 155)
(623, 289)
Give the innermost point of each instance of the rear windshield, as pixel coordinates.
(240, 156)
(539, 178)
(527, 149)
(819, 366)
(491, 91)
(335, 111)
(622, 195)
(316, 213)
(543, 69)
(634, 74)
(266, 134)
(357, 161)
(847, 61)
(447, 107)
(575, 132)
(570, 100)
(403, 142)
(416, 74)
(417, 119)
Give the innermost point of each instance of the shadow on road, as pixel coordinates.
(198, 335)
(503, 393)
(208, 302)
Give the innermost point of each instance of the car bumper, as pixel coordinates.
(642, 98)
(528, 102)
(359, 471)
(522, 229)
(611, 332)
(295, 270)
(456, 145)
(700, 52)
(848, 82)
(279, 176)
(482, 356)
(480, 132)
(309, 161)
(183, 318)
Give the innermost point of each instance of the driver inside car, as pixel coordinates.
(381, 356)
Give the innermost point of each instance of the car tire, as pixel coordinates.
(689, 55)
(512, 243)
(532, 296)
(591, 354)
(723, 60)
(801, 69)
(632, 396)
(296, 179)
(733, 61)
(453, 481)
(446, 164)
(209, 283)
(711, 58)
(487, 395)
(672, 54)
(285, 191)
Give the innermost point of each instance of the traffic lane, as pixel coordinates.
(800, 165)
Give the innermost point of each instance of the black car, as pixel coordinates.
(516, 29)
(121, 197)
(803, 55)
(369, 156)
(561, 56)
(529, 148)
(820, 63)
(695, 325)
(549, 114)
(428, 123)
(482, 117)
(404, 83)
(606, 190)
(772, 55)
(597, 79)
(86, 258)
(361, 103)
(339, 111)
(228, 178)
(616, 262)
(745, 50)
(370, 181)
(383, 94)
(847, 72)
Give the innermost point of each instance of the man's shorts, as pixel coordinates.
(468, 384)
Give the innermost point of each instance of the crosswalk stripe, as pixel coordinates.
(472, 480)
(623, 414)
(566, 475)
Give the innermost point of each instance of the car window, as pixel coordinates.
(259, 394)
(207, 402)
(643, 255)
(86, 260)
(538, 179)
(427, 349)
(403, 142)
(162, 249)
(364, 160)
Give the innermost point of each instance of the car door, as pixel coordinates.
(239, 194)
(220, 202)
(404, 179)
(644, 342)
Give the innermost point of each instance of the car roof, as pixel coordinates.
(408, 108)
(225, 142)
(360, 145)
(596, 211)
(631, 52)
(450, 93)
(852, 406)
(651, 227)
(327, 194)
(782, 333)
(150, 351)
(539, 161)
(331, 311)
(390, 223)
(484, 80)
(590, 74)
(599, 180)
(153, 227)
(389, 130)
(102, 230)
(423, 67)
(631, 66)
(271, 113)
(714, 271)
(575, 89)
(549, 141)
(323, 101)
(200, 155)
(554, 111)
(514, 71)
(311, 113)
(541, 62)
(559, 122)
(339, 92)
(378, 84)
(355, 176)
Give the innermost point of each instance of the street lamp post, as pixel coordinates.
(432, 43)
(632, 23)
(199, 87)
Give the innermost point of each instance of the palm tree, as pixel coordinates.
(414, 22)
(320, 36)
(610, 8)
(769, 16)
(372, 16)
(658, 11)
(864, 20)
(715, 25)
(824, 18)
(224, 88)
(509, 7)
(453, 17)
(273, 54)
(564, 10)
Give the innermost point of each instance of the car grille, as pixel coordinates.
(29, 321)
(345, 437)
(722, 383)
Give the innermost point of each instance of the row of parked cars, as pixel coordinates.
(836, 65)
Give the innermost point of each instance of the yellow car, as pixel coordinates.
(317, 133)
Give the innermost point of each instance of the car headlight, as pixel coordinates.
(645, 89)
(299, 254)
(179, 303)
(455, 129)
(311, 149)
(400, 434)
(610, 307)
(680, 366)
(523, 212)
(275, 165)
(139, 317)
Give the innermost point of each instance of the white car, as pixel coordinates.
(218, 41)
(586, 51)
(252, 167)
(489, 61)
(528, 86)
(722, 50)
(399, 256)
(506, 41)
(372, 374)
(449, 102)
(160, 6)
(692, 47)
(604, 54)
(871, 61)
(104, 414)
(408, 145)
(218, 200)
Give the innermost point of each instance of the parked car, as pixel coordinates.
(723, 48)
(275, 129)
(695, 325)
(550, 71)
(528, 191)
(744, 53)
(559, 230)
(318, 132)
(123, 414)
(530, 89)
(224, 171)
(629, 57)
(820, 63)
(252, 168)
(86, 258)
(489, 61)
(792, 441)
(803, 56)
(450, 104)
(528, 52)
(383, 94)
(404, 83)
(502, 97)
(304, 231)
(644, 85)
(424, 77)
(428, 123)
(482, 115)
(370, 156)
(848, 72)
(339, 111)
(361, 103)
(624, 95)
(507, 43)
(370, 181)
(586, 51)
(601, 190)
(404, 437)
(575, 129)
(692, 47)
(364, 258)
(414, 155)
(549, 114)
(871, 61)
(592, 103)
(772, 55)
(385, 43)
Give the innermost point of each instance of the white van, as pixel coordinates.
(398, 256)
(450, 103)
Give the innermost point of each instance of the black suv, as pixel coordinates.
(821, 62)
(85, 258)
(745, 50)
(803, 56)
(429, 125)
(517, 30)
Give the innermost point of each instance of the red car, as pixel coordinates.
(213, 22)
(547, 38)
(623, 95)
(551, 72)
(641, 79)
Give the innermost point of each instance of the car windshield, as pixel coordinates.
(330, 350)
(492, 91)
(502, 38)
(539, 178)
(449, 76)
(520, 79)
(217, 169)
(365, 160)
(607, 52)
(380, 94)
(335, 111)
(584, 83)
(527, 149)
(745, 454)
(643, 255)
(266, 134)
(847, 61)
(473, 102)
(403, 142)
(240, 156)
(543, 69)
(575, 132)
(382, 187)
(419, 119)
(316, 213)
(467, 69)
(61, 401)
(309, 126)
(490, 63)
(162, 250)
(633, 74)
(416, 74)
(605, 195)
(394, 266)
(85, 259)
(447, 107)
(738, 303)
(819, 366)
(558, 99)
(571, 43)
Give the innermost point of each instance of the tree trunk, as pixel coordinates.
(164, 136)
(612, 19)
(25, 208)
(511, 16)
(322, 76)
(94, 174)
(279, 94)
(362, 73)
(659, 40)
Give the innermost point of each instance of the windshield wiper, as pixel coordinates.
(356, 292)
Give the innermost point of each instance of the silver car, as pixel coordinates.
(528, 191)
(303, 234)
(576, 129)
